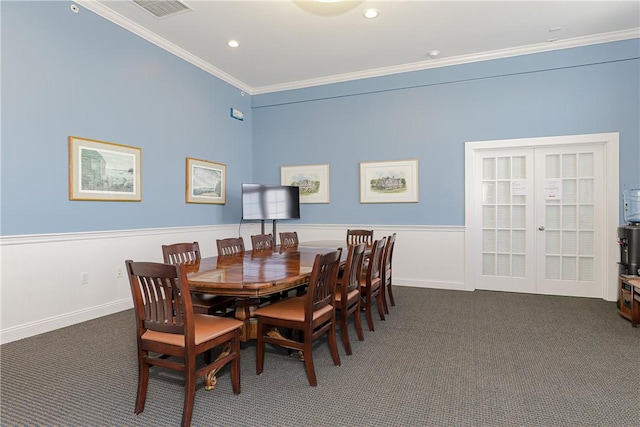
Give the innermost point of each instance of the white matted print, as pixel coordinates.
(313, 181)
(389, 182)
(206, 182)
(103, 171)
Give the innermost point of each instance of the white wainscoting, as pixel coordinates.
(41, 278)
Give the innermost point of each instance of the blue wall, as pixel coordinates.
(430, 114)
(79, 74)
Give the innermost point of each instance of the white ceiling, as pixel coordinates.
(291, 44)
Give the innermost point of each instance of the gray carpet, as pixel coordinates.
(442, 358)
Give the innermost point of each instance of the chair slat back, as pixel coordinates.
(355, 237)
(158, 299)
(387, 257)
(262, 242)
(322, 282)
(352, 269)
(289, 239)
(373, 271)
(181, 253)
(230, 246)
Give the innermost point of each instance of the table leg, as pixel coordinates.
(244, 312)
(275, 333)
(210, 379)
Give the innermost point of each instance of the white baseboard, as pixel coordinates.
(67, 319)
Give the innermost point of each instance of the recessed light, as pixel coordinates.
(371, 13)
(233, 43)
(433, 54)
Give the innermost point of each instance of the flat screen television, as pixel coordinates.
(261, 201)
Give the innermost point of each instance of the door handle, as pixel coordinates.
(541, 228)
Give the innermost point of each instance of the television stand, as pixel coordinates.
(273, 228)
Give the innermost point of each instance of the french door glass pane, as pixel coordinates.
(503, 216)
(569, 236)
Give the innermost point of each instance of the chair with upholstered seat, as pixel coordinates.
(355, 237)
(189, 253)
(311, 316)
(262, 242)
(347, 294)
(171, 335)
(371, 283)
(289, 240)
(230, 246)
(385, 271)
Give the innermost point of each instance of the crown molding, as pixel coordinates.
(456, 60)
(129, 25)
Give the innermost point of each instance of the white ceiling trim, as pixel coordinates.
(129, 25)
(456, 60)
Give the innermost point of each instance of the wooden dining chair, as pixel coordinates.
(262, 242)
(385, 271)
(289, 240)
(189, 253)
(230, 246)
(347, 294)
(311, 316)
(371, 283)
(355, 237)
(170, 335)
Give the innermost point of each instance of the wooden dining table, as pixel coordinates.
(253, 276)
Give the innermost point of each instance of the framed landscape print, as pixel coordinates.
(206, 182)
(389, 182)
(103, 171)
(313, 181)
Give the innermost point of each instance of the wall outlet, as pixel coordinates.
(119, 273)
(84, 278)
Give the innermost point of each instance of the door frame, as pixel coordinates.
(610, 143)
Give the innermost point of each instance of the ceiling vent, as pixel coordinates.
(163, 8)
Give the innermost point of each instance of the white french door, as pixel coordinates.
(569, 220)
(538, 219)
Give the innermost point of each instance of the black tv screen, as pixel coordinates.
(260, 201)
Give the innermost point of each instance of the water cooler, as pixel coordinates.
(629, 235)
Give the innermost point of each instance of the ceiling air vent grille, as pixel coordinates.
(163, 8)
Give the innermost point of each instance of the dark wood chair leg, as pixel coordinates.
(391, 299)
(367, 312)
(143, 384)
(333, 345)
(235, 365)
(189, 392)
(358, 322)
(380, 304)
(345, 334)
(383, 291)
(308, 359)
(260, 349)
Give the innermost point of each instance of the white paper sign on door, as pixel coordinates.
(553, 189)
(519, 187)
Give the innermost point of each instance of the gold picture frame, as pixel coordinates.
(206, 182)
(313, 181)
(389, 182)
(104, 171)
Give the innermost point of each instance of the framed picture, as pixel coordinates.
(389, 182)
(313, 181)
(206, 182)
(103, 171)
